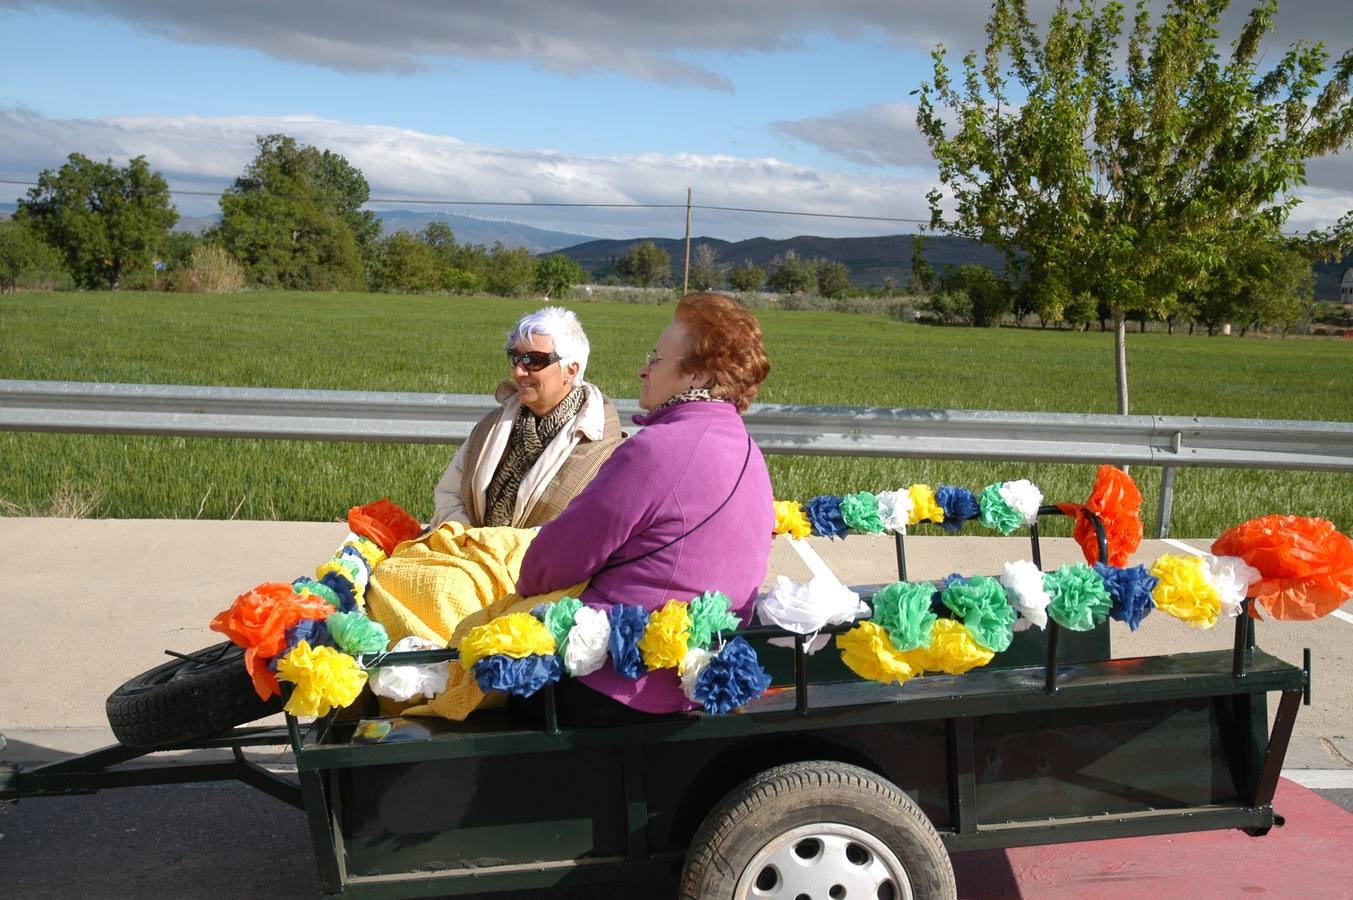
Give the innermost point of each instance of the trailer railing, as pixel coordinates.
(1170, 442)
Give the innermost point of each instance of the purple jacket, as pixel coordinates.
(655, 487)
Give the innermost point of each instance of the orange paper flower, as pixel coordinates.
(1118, 504)
(258, 621)
(1307, 565)
(384, 522)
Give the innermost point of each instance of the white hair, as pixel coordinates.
(559, 325)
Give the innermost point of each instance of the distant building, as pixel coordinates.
(1346, 286)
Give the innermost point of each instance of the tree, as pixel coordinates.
(791, 275)
(405, 263)
(1269, 281)
(922, 272)
(556, 275)
(1123, 186)
(24, 254)
(107, 222)
(294, 218)
(833, 278)
(989, 298)
(644, 265)
(511, 270)
(707, 273)
(746, 277)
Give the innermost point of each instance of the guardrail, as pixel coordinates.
(1166, 441)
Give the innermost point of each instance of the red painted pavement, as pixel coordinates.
(1309, 857)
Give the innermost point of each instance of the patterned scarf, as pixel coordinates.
(531, 434)
(691, 395)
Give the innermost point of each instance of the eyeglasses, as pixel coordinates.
(653, 359)
(533, 360)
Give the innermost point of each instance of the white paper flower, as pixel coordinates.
(894, 509)
(805, 608)
(692, 664)
(585, 651)
(403, 683)
(1024, 581)
(1024, 497)
(1232, 577)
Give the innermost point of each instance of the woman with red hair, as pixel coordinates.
(682, 507)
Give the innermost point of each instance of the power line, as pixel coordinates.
(549, 204)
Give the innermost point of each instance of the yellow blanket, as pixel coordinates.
(430, 584)
(444, 583)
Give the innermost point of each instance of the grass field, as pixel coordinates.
(451, 344)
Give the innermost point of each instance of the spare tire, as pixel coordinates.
(187, 698)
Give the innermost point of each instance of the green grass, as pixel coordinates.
(451, 344)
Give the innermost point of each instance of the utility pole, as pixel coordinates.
(686, 272)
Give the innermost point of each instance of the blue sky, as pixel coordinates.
(792, 105)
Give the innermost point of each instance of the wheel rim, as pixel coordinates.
(825, 861)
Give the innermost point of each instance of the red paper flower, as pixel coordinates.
(1117, 502)
(258, 620)
(384, 522)
(1307, 565)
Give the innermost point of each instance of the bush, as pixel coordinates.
(212, 270)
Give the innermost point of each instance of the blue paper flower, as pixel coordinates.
(627, 627)
(959, 506)
(1130, 590)
(347, 596)
(824, 514)
(732, 678)
(522, 677)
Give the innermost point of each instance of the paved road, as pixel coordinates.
(89, 603)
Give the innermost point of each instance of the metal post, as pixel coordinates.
(898, 537)
(1166, 502)
(1241, 653)
(1050, 675)
(800, 676)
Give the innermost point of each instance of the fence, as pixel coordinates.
(1170, 442)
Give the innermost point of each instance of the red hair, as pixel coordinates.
(726, 343)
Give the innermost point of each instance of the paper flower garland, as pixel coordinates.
(1003, 506)
(523, 655)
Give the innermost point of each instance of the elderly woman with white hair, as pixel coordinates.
(520, 467)
(524, 461)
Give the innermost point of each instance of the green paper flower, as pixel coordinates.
(710, 614)
(356, 634)
(903, 610)
(996, 513)
(1079, 599)
(985, 610)
(559, 620)
(861, 512)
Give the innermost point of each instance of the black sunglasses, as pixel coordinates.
(533, 360)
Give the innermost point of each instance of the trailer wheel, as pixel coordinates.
(817, 829)
(185, 699)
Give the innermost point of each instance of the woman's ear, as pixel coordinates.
(701, 380)
(571, 375)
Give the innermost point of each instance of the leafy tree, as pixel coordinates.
(791, 275)
(951, 307)
(707, 273)
(922, 272)
(989, 297)
(107, 222)
(294, 218)
(511, 270)
(645, 265)
(746, 277)
(1269, 281)
(1123, 185)
(556, 275)
(24, 254)
(406, 263)
(833, 278)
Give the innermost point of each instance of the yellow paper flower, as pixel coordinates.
(952, 649)
(1184, 590)
(516, 635)
(923, 505)
(324, 678)
(790, 519)
(369, 549)
(867, 651)
(344, 568)
(666, 635)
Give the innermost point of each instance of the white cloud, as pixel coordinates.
(403, 165)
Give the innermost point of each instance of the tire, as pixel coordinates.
(186, 699)
(818, 829)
